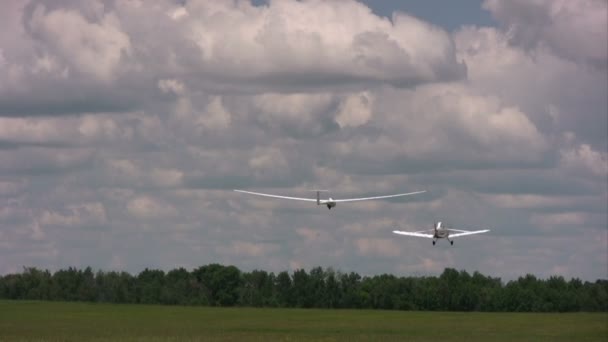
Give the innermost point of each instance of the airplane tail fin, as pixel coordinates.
(318, 191)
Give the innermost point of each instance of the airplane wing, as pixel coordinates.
(457, 230)
(417, 234)
(277, 196)
(376, 197)
(465, 233)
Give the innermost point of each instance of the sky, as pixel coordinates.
(125, 126)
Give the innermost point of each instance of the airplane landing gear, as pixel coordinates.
(433, 242)
(452, 243)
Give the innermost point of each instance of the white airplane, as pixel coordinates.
(441, 233)
(330, 202)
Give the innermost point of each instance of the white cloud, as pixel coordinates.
(268, 163)
(313, 236)
(355, 110)
(444, 124)
(171, 85)
(317, 41)
(248, 249)
(284, 47)
(125, 172)
(560, 95)
(216, 116)
(552, 220)
(528, 201)
(145, 207)
(92, 48)
(33, 130)
(297, 114)
(178, 13)
(76, 215)
(378, 247)
(100, 128)
(584, 159)
(576, 30)
(166, 177)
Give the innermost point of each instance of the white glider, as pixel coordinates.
(441, 233)
(330, 202)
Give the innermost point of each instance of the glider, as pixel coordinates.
(330, 202)
(441, 233)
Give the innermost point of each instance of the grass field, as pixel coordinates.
(50, 321)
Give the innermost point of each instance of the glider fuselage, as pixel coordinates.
(329, 203)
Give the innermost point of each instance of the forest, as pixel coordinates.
(219, 285)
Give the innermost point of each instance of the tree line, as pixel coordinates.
(219, 285)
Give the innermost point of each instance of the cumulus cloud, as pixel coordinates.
(317, 42)
(76, 215)
(94, 49)
(552, 220)
(146, 207)
(574, 30)
(530, 201)
(446, 127)
(248, 249)
(355, 110)
(44, 160)
(560, 95)
(124, 172)
(297, 114)
(377, 247)
(586, 161)
(105, 55)
(24, 131)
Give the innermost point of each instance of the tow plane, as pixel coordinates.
(329, 202)
(439, 232)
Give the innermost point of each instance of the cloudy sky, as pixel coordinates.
(125, 125)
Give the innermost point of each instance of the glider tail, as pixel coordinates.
(319, 195)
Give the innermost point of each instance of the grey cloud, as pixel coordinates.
(435, 163)
(544, 182)
(10, 145)
(576, 31)
(438, 128)
(297, 116)
(44, 161)
(560, 97)
(126, 55)
(50, 99)
(265, 167)
(227, 183)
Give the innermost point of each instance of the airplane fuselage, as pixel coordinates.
(442, 234)
(438, 232)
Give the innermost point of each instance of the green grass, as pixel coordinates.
(55, 321)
